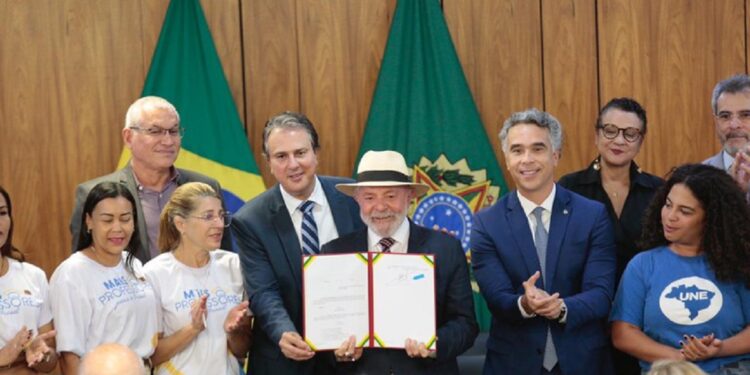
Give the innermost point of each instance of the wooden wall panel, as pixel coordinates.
(269, 41)
(668, 55)
(340, 47)
(66, 67)
(224, 20)
(500, 47)
(570, 76)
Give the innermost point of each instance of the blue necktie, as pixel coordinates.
(310, 244)
(540, 242)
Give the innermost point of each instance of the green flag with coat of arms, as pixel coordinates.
(422, 108)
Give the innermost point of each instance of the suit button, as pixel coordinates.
(538, 351)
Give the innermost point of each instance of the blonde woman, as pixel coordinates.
(205, 322)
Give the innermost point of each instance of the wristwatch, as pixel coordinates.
(563, 312)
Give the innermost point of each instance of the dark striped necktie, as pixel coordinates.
(310, 244)
(385, 244)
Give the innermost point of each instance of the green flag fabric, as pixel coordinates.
(186, 71)
(422, 107)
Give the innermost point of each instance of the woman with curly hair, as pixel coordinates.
(688, 297)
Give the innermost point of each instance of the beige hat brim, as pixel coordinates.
(349, 189)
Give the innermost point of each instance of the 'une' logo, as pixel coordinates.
(690, 301)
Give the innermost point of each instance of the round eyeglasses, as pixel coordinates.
(610, 131)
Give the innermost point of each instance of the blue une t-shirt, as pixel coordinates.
(668, 296)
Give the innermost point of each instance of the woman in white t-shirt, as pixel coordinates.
(25, 318)
(205, 324)
(99, 294)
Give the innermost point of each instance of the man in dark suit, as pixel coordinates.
(302, 211)
(544, 259)
(153, 134)
(383, 191)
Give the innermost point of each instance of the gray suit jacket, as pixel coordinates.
(125, 176)
(271, 259)
(716, 161)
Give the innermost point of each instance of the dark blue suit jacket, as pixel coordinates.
(456, 325)
(271, 259)
(580, 266)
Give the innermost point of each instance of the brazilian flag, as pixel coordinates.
(186, 71)
(422, 108)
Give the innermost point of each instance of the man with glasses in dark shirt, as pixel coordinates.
(153, 134)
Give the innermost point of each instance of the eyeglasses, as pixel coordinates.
(175, 132)
(224, 217)
(610, 131)
(727, 117)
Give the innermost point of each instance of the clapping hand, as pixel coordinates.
(198, 313)
(740, 169)
(37, 350)
(15, 346)
(238, 319)
(538, 301)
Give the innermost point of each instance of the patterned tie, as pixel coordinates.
(385, 244)
(540, 242)
(309, 229)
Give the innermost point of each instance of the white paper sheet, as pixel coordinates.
(403, 299)
(336, 303)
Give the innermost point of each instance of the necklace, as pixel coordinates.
(613, 189)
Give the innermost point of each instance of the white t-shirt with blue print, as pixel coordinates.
(23, 300)
(94, 304)
(176, 286)
(668, 296)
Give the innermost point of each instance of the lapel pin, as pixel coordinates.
(565, 211)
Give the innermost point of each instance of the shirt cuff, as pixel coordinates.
(523, 312)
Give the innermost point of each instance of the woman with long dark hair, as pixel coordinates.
(99, 294)
(688, 297)
(25, 318)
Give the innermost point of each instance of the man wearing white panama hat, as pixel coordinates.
(383, 191)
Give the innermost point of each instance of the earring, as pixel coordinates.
(596, 165)
(89, 231)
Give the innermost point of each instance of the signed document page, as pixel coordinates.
(403, 293)
(336, 300)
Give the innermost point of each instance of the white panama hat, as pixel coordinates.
(382, 168)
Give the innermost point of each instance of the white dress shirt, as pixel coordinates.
(321, 213)
(727, 159)
(401, 236)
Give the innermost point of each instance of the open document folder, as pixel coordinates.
(380, 298)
